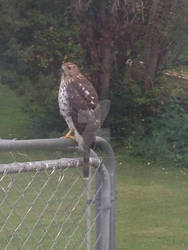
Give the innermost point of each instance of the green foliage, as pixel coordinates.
(33, 48)
(164, 137)
(150, 123)
(131, 103)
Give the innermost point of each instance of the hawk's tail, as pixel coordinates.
(86, 163)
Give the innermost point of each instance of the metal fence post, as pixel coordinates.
(111, 167)
(105, 210)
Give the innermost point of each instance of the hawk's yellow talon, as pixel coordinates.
(68, 135)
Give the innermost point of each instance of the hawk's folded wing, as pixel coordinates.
(84, 107)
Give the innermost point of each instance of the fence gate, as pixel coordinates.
(46, 204)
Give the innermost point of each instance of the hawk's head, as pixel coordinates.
(69, 69)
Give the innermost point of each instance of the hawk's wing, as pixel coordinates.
(84, 108)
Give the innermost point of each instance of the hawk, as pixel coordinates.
(79, 105)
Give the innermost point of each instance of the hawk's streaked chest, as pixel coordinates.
(63, 100)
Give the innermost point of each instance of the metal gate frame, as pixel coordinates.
(106, 222)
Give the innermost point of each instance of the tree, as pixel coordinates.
(122, 45)
(108, 26)
(34, 41)
(156, 41)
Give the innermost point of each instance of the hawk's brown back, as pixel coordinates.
(84, 107)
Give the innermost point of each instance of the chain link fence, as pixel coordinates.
(46, 204)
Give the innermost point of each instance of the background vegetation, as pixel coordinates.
(125, 47)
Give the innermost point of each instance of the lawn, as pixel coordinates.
(152, 206)
(43, 210)
(152, 200)
(13, 122)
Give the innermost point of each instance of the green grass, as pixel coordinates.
(152, 206)
(13, 122)
(41, 205)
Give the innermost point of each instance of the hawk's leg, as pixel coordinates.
(68, 135)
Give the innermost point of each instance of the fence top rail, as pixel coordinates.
(7, 145)
(35, 144)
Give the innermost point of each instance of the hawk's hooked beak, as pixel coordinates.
(62, 69)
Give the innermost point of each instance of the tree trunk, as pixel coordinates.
(106, 66)
(105, 24)
(152, 46)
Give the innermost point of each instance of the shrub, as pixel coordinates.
(162, 138)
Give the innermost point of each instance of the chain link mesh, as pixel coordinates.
(49, 209)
